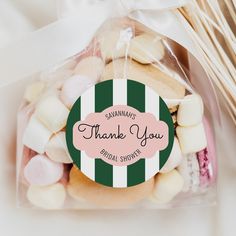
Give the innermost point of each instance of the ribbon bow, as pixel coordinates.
(70, 35)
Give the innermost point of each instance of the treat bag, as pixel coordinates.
(121, 123)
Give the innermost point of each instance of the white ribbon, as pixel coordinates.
(70, 35)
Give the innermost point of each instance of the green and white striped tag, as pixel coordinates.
(108, 94)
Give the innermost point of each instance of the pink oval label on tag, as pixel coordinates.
(105, 135)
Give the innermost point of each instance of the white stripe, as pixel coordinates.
(119, 176)
(151, 102)
(119, 92)
(87, 165)
(151, 166)
(87, 107)
(87, 102)
(151, 106)
(119, 98)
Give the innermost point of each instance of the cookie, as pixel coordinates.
(207, 159)
(82, 187)
(164, 85)
(199, 169)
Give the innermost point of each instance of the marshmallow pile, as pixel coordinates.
(181, 171)
(48, 172)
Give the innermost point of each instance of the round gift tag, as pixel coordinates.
(119, 133)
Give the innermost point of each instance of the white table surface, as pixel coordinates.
(20, 16)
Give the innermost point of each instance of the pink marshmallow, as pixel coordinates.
(26, 157)
(42, 171)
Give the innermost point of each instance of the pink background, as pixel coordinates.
(121, 147)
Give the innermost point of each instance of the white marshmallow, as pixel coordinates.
(52, 113)
(73, 89)
(146, 48)
(36, 135)
(190, 110)
(167, 186)
(33, 91)
(175, 158)
(91, 67)
(56, 148)
(189, 170)
(47, 197)
(191, 139)
(113, 45)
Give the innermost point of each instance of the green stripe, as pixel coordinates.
(136, 99)
(74, 116)
(103, 100)
(165, 116)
